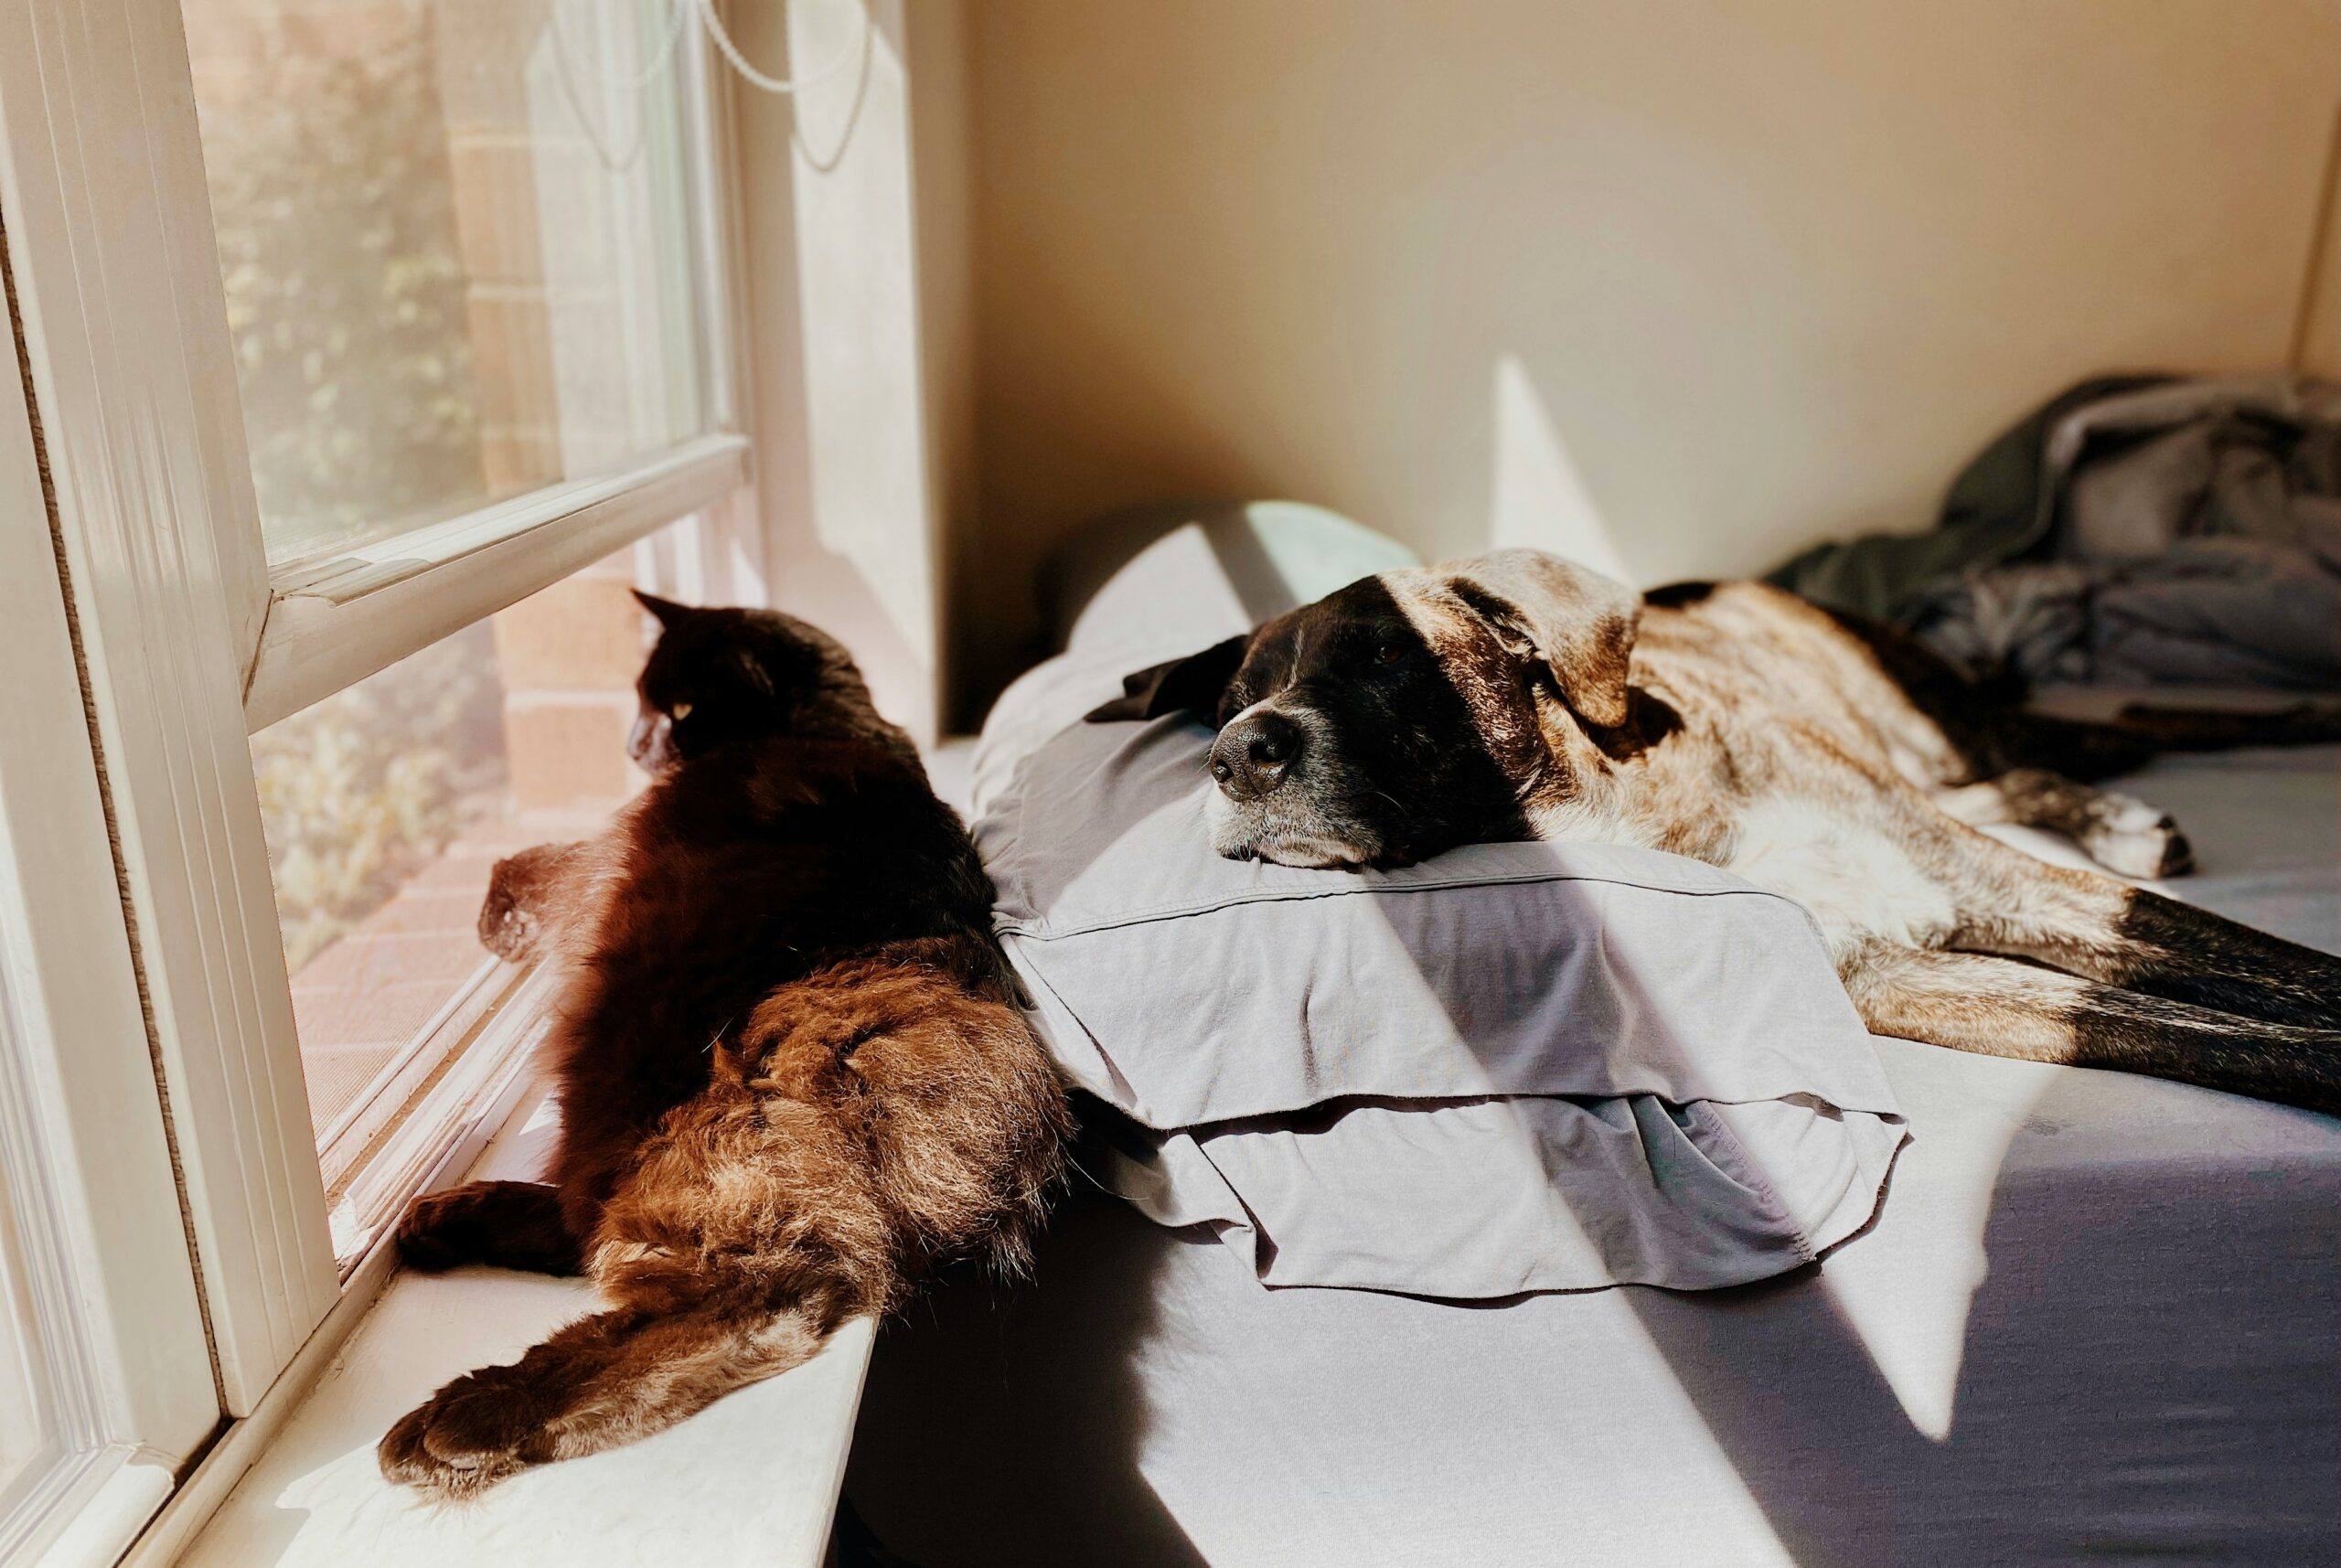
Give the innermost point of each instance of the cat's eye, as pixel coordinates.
(680, 711)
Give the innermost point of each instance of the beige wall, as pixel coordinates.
(1688, 284)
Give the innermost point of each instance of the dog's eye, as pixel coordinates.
(1389, 653)
(682, 710)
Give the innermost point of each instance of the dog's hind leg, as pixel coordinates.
(2166, 948)
(2120, 832)
(2002, 1007)
(2104, 930)
(2203, 729)
(2086, 749)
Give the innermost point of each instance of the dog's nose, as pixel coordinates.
(1253, 755)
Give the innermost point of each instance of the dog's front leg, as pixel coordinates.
(2001, 1007)
(2120, 832)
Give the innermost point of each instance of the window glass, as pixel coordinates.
(387, 805)
(455, 239)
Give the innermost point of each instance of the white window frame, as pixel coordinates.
(188, 641)
(84, 1156)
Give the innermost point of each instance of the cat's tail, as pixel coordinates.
(610, 1378)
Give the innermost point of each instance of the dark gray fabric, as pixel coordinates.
(2166, 532)
(2221, 611)
(2199, 542)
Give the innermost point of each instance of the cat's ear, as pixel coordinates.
(670, 614)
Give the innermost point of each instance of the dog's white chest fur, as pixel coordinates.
(1857, 881)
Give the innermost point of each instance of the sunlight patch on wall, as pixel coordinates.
(1536, 497)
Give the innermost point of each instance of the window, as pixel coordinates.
(456, 248)
(386, 806)
(376, 349)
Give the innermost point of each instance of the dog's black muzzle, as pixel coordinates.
(1255, 754)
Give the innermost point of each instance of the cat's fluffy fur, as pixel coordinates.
(790, 1071)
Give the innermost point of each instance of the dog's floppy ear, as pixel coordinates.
(1578, 622)
(1192, 683)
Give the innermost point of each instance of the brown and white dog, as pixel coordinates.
(1516, 696)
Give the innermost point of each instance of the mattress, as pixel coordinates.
(2098, 1319)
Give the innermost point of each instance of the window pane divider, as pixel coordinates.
(337, 617)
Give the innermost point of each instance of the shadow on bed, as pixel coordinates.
(2122, 1372)
(2118, 1384)
(974, 1401)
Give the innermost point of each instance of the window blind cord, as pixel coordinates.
(777, 85)
(706, 14)
(676, 11)
(587, 122)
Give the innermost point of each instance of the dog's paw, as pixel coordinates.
(2132, 838)
(478, 1430)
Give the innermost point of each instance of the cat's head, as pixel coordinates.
(721, 676)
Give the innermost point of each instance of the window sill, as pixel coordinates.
(754, 1480)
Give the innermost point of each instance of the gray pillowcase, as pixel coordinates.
(1511, 1067)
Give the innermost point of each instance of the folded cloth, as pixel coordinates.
(2183, 532)
(1511, 1067)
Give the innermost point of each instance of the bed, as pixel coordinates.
(2098, 1319)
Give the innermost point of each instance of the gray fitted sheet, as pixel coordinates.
(2099, 1319)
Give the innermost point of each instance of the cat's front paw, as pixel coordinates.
(506, 927)
(480, 1429)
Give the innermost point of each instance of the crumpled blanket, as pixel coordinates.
(2132, 532)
